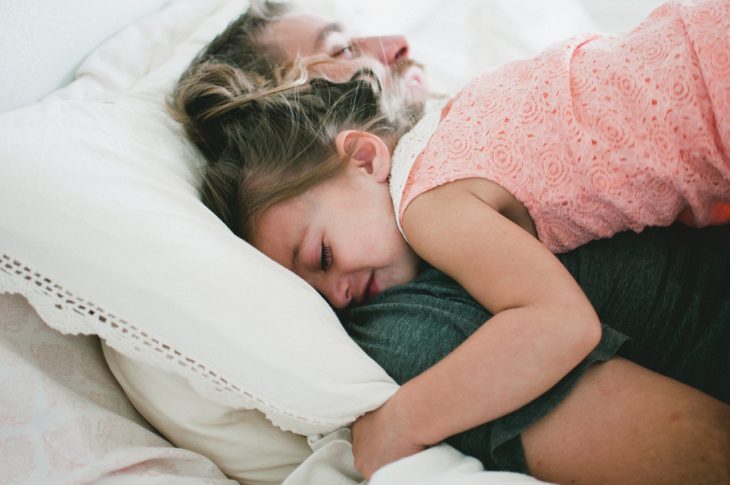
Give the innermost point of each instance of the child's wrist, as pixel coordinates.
(412, 414)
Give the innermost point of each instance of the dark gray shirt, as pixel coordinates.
(663, 297)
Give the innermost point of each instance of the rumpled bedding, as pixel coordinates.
(64, 419)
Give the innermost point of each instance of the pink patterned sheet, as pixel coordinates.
(65, 420)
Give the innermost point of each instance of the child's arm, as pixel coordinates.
(543, 324)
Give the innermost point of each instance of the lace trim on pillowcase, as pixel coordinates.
(72, 315)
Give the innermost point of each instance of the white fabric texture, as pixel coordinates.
(64, 420)
(243, 444)
(42, 42)
(443, 464)
(103, 231)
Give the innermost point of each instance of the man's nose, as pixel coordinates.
(387, 50)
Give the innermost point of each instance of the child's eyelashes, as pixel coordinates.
(325, 258)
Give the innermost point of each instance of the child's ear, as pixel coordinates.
(365, 151)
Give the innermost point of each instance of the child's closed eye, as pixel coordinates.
(325, 258)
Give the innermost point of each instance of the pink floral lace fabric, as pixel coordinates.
(600, 134)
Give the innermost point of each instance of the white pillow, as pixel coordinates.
(242, 442)
(102, 229)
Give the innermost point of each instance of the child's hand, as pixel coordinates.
(380, 437)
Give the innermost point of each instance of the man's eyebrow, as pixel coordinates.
(326, 31)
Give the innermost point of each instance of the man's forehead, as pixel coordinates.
(303, 34)
(324, 32)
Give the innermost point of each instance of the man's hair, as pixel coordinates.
(276, 142)
(239, 46)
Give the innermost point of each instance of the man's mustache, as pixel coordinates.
(402, 65)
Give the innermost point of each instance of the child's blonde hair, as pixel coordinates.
(272, 139)
(265, 127)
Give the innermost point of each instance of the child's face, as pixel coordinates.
(341, 237)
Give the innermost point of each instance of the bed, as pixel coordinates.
(123, 302)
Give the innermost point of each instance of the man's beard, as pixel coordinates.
(404, 103)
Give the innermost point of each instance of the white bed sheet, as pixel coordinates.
(65, 420)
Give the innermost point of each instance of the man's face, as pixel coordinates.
(307, 36)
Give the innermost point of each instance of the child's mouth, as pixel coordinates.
(372, 288)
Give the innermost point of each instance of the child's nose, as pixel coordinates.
(339, 294)
(386, 49)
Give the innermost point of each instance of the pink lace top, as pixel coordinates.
(598, 134)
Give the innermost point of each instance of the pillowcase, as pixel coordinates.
(103, 231)
(242, 442)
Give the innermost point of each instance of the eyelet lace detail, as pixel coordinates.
(73, 315)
